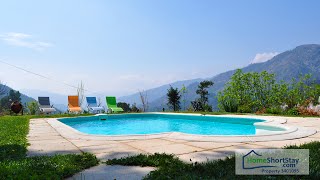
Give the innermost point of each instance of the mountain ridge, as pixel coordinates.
(24, 98)
(303, 59)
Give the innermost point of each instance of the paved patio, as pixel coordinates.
(45, 139)
(49, 137)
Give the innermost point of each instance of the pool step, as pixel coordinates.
(103, 117)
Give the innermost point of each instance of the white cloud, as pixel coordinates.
(263, 57)
(24, 40)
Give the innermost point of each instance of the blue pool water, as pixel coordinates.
(131, 124)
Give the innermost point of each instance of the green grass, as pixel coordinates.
(170, 167)
(13, 132)
(15, 165)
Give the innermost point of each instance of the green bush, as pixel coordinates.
(33, 107)
(228, 104)
(207, 108)
(255, 91)
(244, 109)
(274, 110)
(293, 111)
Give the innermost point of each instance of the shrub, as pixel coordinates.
(124, 106)
(273, 110)
(207, 108)
(197, 105)
(252, 91)
(134, 108)
(244, 109)
(33, 107)
(293, 111)
(307, 111)
(228, 103)
(261, 111)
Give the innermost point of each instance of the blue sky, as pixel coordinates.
(118, 47)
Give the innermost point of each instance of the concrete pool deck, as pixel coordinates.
(48, 137)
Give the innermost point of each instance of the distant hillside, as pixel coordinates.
(24, 98)
(156, 93)
(290, 64)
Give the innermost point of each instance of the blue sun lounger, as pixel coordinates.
(93, 106)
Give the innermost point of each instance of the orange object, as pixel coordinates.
(73, 104)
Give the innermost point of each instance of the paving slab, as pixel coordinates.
(210, 145)
(143, 144)
(203, 156)
(42, 125)
(44, 140)
(48, 142)
(316, 136)
(300, 120)
(53, 147)
(36, 133)
(84, 143)
(175, 140)
(43, 137)
(104, 172)
(173, 149)
(118, 154)
(231, 150)
(107, 148)
(281, 144)
(43, 131)
(307, 124)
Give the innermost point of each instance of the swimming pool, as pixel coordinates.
(144, 124)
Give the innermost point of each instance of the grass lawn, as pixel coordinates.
(170, 167)
(15, 165)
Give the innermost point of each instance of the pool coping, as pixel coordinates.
(291, 132)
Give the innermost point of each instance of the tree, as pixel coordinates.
(124, 106)
(80, 93)
(203, 92)
(201, 104)
(134, 108)
(33, 107)
(14, 95)
(144, 100)
(173, 98)
(183, 92)
(252, 92)
(6, 101)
